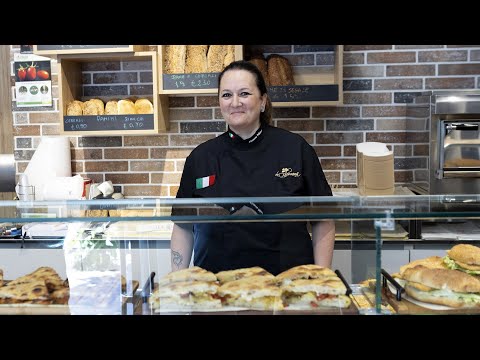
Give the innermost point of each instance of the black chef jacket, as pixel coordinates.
(273, 162)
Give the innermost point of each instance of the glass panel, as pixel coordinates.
(114, 253)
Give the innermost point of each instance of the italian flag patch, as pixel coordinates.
(205, 182)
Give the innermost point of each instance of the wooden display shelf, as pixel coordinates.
(85, 49)
(314, 86)
(195, 83)
(70, 86)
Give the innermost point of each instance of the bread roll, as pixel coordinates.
(196, 59)
(111, 108)
(126, 107)
(465, 253)
(143, 106)
(100, 106)
(175, 59)
(97, 213)
(75, 108)
(216, 57)
(90, 108)
(230, 56)
(279, 71)
(260, 62)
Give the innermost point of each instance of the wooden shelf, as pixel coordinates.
(85, 49)
(325, 83)
(195, 83)
(71, 88)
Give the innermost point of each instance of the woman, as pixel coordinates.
(251, 159)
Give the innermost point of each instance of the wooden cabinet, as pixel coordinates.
(72, 87)
(314, 85)
(85, 49)
(191, 83)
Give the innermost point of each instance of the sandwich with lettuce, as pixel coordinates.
(465, 258)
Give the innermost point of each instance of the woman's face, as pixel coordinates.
(240, 100)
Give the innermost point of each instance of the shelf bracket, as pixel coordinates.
(386, 223)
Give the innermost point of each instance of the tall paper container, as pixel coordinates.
(51, 159)
(375, 172)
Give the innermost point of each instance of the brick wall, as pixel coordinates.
(379, 80)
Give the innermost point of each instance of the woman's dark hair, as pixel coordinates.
(266, 116)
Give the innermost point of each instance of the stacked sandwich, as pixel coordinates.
(310, 286)
(188, 289)
(252, 288)
(465, 258)
(430, 281)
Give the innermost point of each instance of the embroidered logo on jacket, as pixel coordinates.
(287, 172)
(204, 182)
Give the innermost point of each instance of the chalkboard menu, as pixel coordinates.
(190, 81)
(109, 122)
(303, 93)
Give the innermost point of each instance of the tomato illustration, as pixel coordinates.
(32, 72)
(21, 73)
(43, 74)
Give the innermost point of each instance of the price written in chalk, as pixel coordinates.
(303, 93)
(190, 81)
(108, 122)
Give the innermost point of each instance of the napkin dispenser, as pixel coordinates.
(375, 175)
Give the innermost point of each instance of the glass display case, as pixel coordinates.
(108, 256)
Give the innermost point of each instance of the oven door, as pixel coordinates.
(460, 148)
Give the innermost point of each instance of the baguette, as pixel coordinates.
(196, 59)
(175, 59)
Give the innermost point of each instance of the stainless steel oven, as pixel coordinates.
(454, 161)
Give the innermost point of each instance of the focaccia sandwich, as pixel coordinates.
(231, 275)
(254, 292)
(309, 271)
(442, 286)
(186, 295)
(194, 273)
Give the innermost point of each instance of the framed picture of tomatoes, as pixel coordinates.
(33, 80)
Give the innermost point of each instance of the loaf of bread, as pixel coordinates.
(143, 106)
(279, 71)
(100, 106)
(90, 108)
(75, 108)
(215, 57)
(196, 61)
(174, 61)
(260, 62)
(97, 213)
(113, 213)
(137, 212)
(111, 108)
(230, 56)
(126, 107)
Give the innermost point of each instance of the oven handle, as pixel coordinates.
(454, 126)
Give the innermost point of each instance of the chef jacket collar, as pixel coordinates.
(254, 139)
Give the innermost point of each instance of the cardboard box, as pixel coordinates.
(375, 175)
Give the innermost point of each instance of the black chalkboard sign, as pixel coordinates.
(303, 93)
(108, 122)
(79, 47)
(190, 81)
